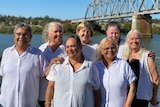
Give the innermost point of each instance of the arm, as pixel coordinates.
(49, 93)
(131, 95)
(155, 79)
(97, 96)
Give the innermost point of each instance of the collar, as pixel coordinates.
(85, 64)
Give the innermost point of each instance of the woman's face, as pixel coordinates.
(109, 51)
(72, 50)
(85, 35)
(56, 35)
(134, 41)
(22, 38)
(114, 33)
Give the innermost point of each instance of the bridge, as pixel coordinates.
(111, 9)
(139, 10)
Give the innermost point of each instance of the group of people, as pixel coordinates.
(78, 72)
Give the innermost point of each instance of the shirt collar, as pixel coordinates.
(84, 65)
(29, 48)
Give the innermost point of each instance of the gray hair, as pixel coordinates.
(23, 25)
(127, 49)
(47, 28)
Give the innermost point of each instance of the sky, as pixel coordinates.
(61, 9)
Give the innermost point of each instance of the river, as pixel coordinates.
(6, 40)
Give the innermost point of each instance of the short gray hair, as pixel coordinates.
(23, 25)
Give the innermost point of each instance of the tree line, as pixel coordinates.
(7, 24)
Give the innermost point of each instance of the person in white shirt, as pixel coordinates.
(75, 82)
(144, 68)
(90, 49)
(53, 37)
(21, 67)
(114, 31)
(117, 80)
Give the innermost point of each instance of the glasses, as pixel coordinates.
(107, 49)
(23, 35)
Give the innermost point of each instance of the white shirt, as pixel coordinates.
(74, 89)
(114, 82)
(21, 75)
(121, 48)
(47, 51)
(90, 51)
(145, 84)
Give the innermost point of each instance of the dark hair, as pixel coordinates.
(114, 24)
(78, 43)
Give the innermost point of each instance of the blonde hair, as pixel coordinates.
(102, 43)
(47, 28)
(127, 49)
(84, 24)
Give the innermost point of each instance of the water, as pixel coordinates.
(6, 40)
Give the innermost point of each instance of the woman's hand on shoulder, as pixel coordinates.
(151, 54)
(57, 60)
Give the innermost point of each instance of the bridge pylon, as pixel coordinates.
(143, 24)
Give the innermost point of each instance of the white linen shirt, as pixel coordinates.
(90, 51)
(47, 51)
(114, 82)
(74, 89)
(20, 77)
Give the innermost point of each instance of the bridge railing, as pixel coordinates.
(121, 8)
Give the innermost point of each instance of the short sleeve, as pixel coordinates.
(130, 74)
(95, 78)
(52, 73)
(43, 64)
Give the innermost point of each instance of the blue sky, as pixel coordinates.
(62, 9)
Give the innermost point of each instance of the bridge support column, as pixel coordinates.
(143, 24)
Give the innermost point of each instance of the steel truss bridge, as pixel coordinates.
(109, 9)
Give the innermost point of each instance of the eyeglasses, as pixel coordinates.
(20, 34)
(107, 49)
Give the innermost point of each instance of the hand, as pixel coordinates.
(151, 54)
(154, 103)
(57, 60)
